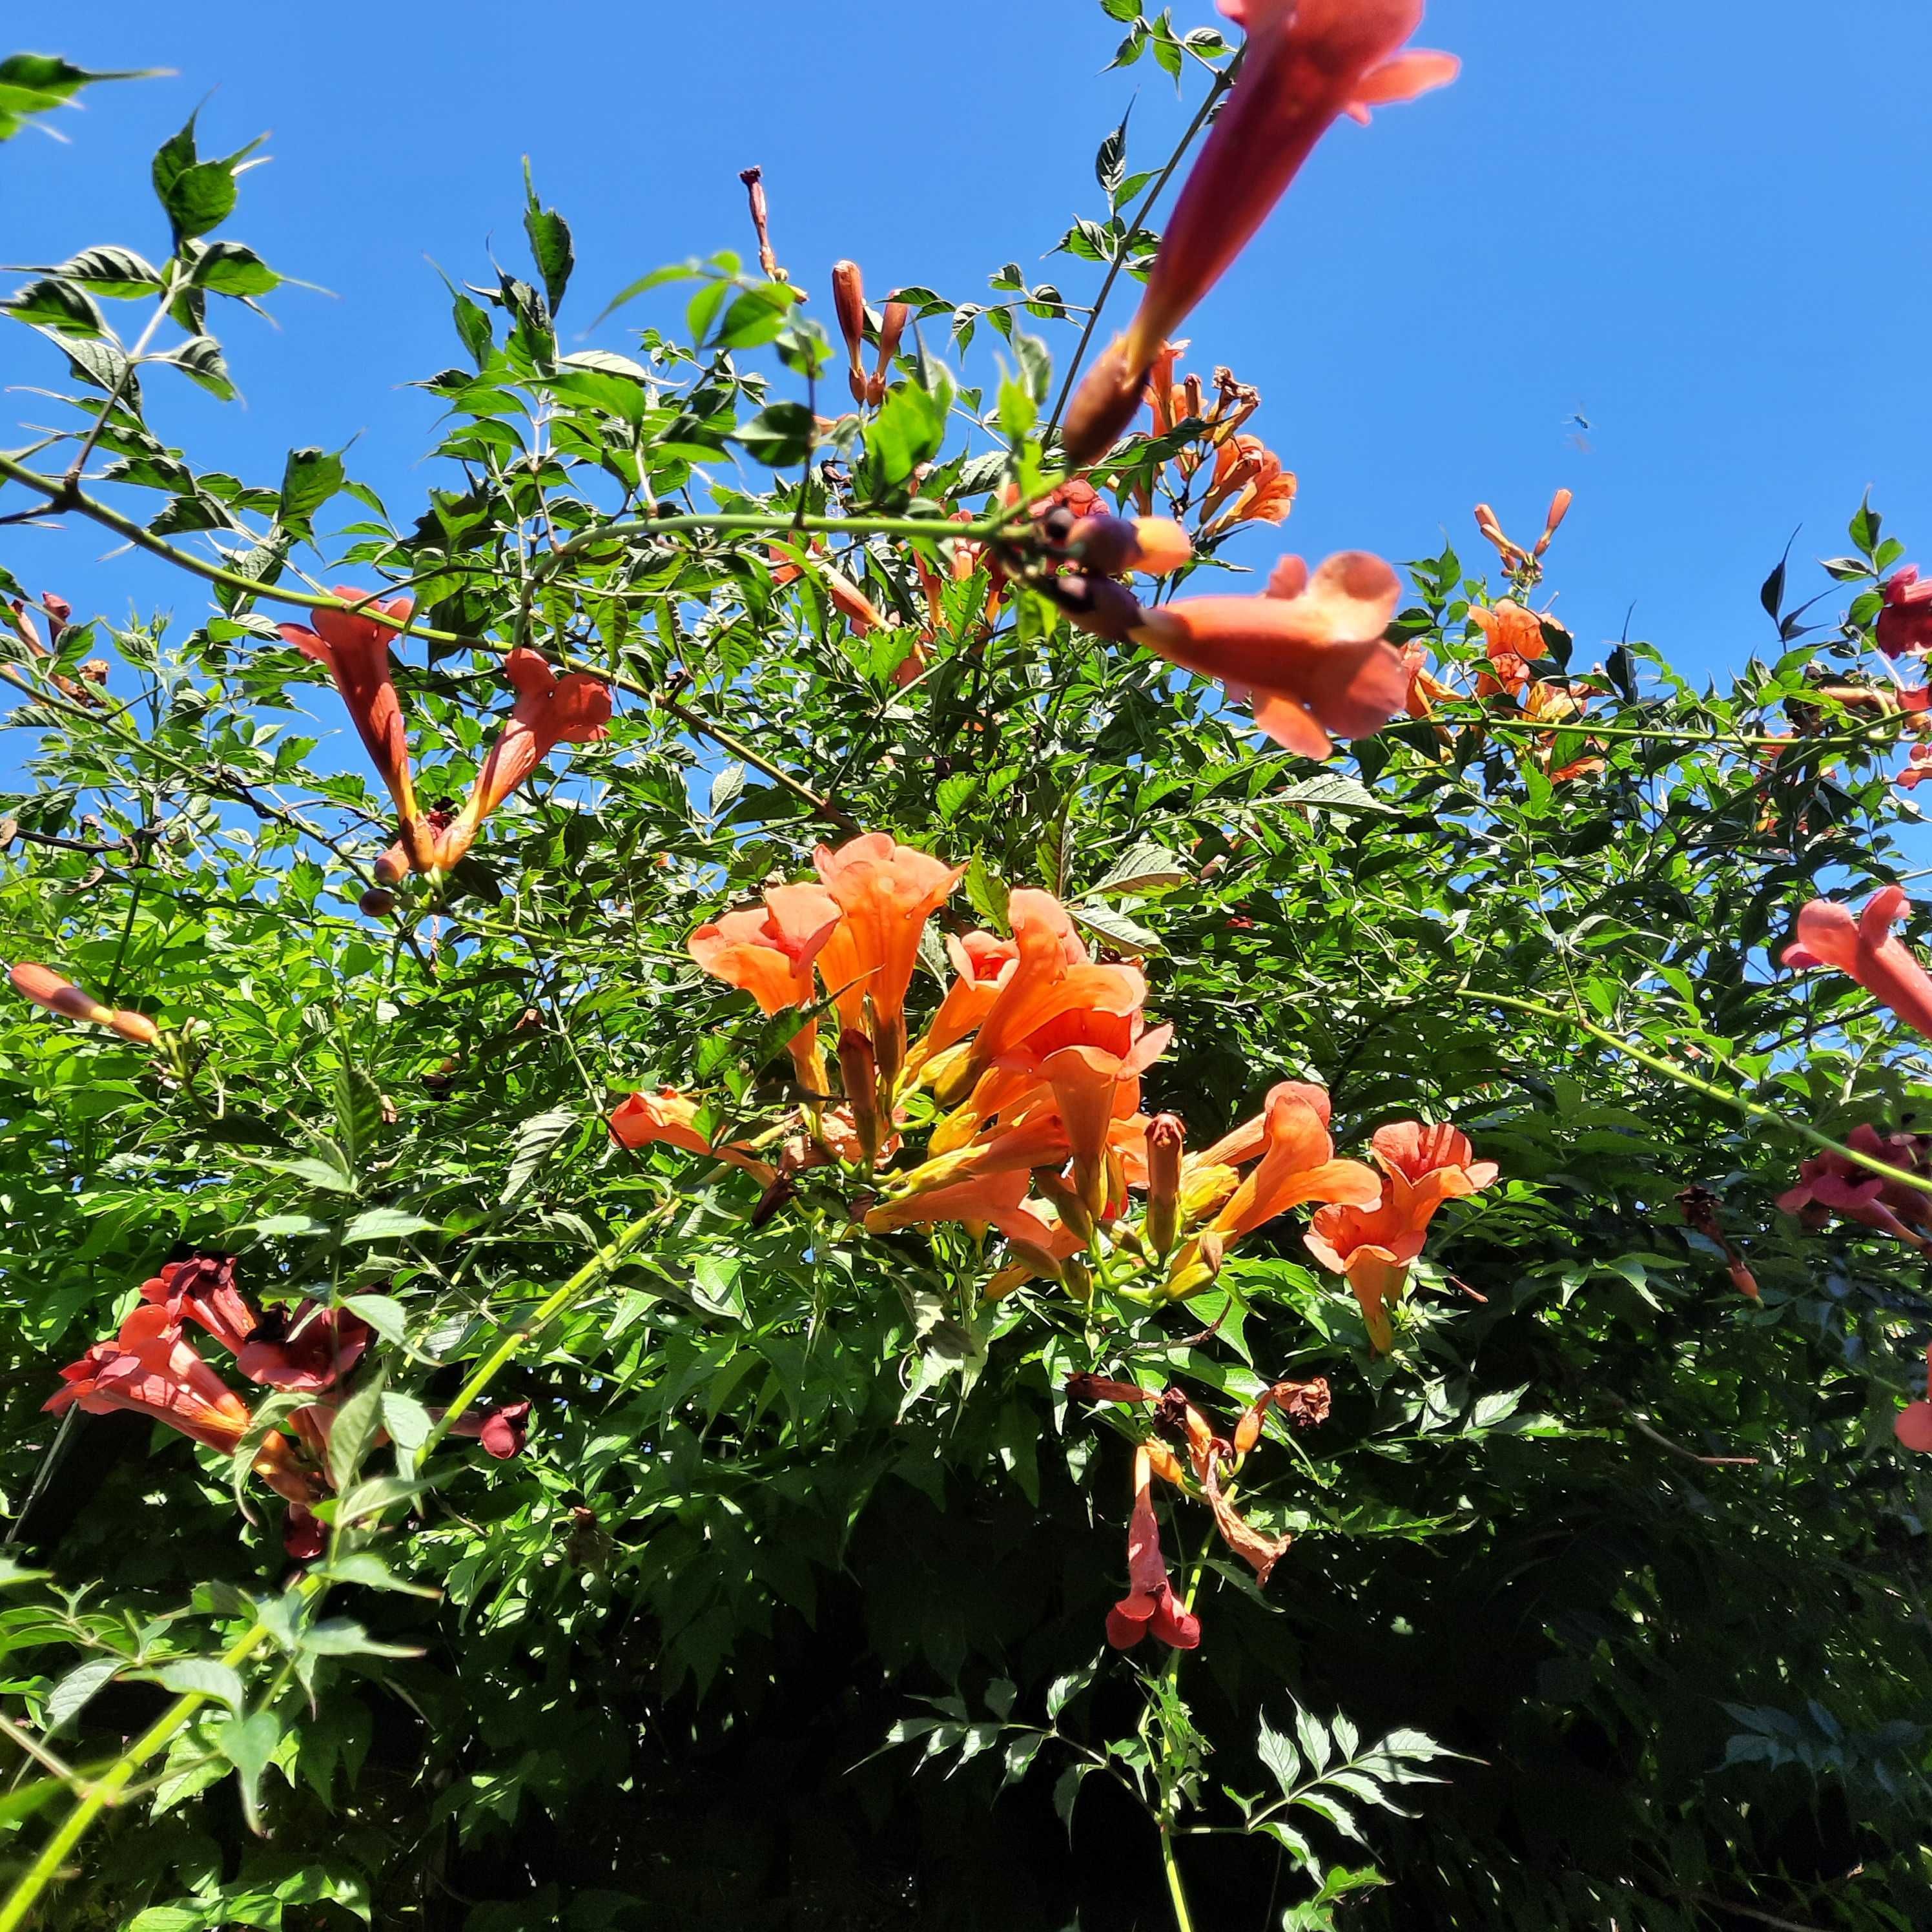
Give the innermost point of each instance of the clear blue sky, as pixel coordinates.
(1703, 226)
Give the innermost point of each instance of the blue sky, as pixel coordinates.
(1702, 227)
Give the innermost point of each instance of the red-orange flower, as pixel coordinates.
(1307, 62)
(151, 1370)
(768, 951)
(1868, 949)
(886, 892)
(549, 711)
(354, 646)
(57, 995)
(1913, 1423)
(1151, 1606)
(1513, 635)
(1250, 479)
(640, 1119)
(1310, 653)
(1829, 1183)
(1423, 1166)
(1905, 624)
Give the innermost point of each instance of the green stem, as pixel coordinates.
(1176, 1892)
(506, 1351)
(1695, 1082)
(107, 1790)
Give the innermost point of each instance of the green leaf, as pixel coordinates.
(62, 306)
(408, 1422)
(31, 84)
(199, 358)
(1117, 930)
(117, 274)
(310, 478)
(203, 1677)
(71, 1694)
(387, 1224)
(1148, 867)
(353, 1433)
(248, 1743)
(229, 268)
(198, 195)
(1334, 792)
(365, 1567)
(530, 1145)
(756, 317)
(780, 437)
(383, 1313)
(549, 242)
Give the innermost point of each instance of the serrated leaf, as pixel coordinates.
(383, 1313)
(1148, 867)
(1277, 1752)
(1119, 931)
(532, 1141)
(249, 1744)
(550, 246)
(353, 1433)
(1333, 792)
(365, 1567)
(386, 1224)
(407, 1420)
(203, 1677)
(68, 1697)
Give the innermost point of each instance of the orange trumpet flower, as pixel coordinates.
(768, 951)
(640, 1119)
(1869, 950)
(57, 995)
(354, 646)
(887, 892)
(1513, 636)
(550, 711)
(1150, 1608)
(1423, 1166)
(1297, 1164)
(1307, 63)
(1310, 654)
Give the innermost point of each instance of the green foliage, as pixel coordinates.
(1623, 1574)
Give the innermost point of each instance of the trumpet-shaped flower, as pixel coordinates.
(1307, 63)
(1513, 636)
(1151, 1606)
(1868, 949)
(887, 892)
(202, 1290)
(640, 1119)
(49, 990)
(1913, 1423)
(1905, 623)
(549, 711)
(1297, 1164)
(1310, 654)
(768, 951)
(152, 1370)
(1829, 1182)
(311, 1353)
(1423, 1166)
(354, 646)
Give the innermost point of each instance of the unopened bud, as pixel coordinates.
(848, 300)
(1559, 508)
(49, 990)
(377, 902)
(1108, 546)
(1103, 406)
(859, 1070)
(1098, 605)
(892, 331)
(1164, 545)
(393, 867)
(1165, 1138)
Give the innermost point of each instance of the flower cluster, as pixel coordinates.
(1030, 1071)
(150, 1367)
(1152, 1606)
(549, 710)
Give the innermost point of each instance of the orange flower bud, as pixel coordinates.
(1166, 1138)
(892, 331)
(859, 1070)
(1559, 508)
(1164, 545)
(848, 300)
(57, 995)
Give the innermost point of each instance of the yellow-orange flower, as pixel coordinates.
(670, 1116)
